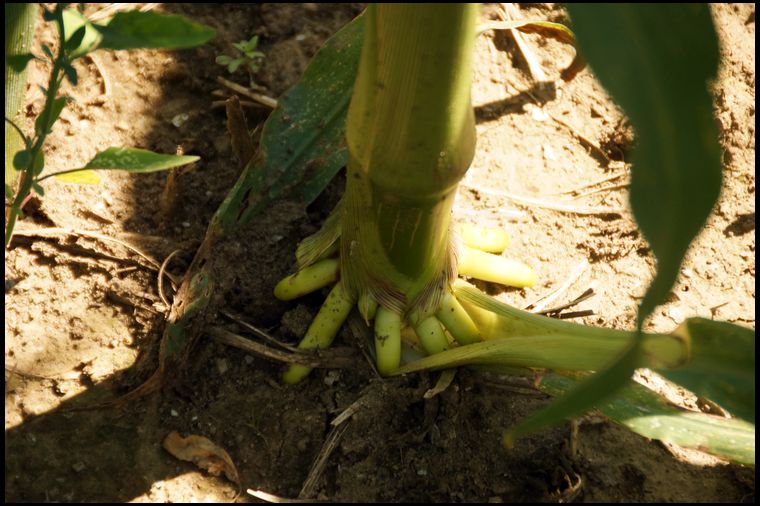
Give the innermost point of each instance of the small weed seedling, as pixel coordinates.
(78, 37)
(250, 60)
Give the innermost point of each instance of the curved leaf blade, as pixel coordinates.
(136, 160)
(135, 30)
(648, 414)
(85, 176)
(303, 140)
(722, 365)
(655, 60)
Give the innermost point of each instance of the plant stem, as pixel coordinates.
(411, 137)
(56, 78)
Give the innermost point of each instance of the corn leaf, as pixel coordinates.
(646, 413)
(135, 29)
(73, 21)
(303, 140)
(722, 365)
(656, 60)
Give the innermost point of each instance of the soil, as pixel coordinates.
(83, 317)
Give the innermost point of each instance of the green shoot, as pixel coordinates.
(250, 59)
(77, 37)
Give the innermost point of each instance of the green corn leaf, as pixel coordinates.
(73, 22)
(303, 140)
(135, 29)
(648, 414)
(136, 160)
(85, 176)
(656, 60)
(722, 365)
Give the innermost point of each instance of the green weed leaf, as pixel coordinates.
(646, 413)
(71, 74)
(234, 65)
(656, 60)
(85, 176)
(136, 160)
(134, 29)
(48, 52)
(56, 108)
(38, 189)
(8, 192)
(223, 59)
(39, 163)
(22, 159)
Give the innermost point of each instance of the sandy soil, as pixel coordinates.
(83, 316)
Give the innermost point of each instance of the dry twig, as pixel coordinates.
(257, 97)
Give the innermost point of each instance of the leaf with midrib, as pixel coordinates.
(656, 61)
(303, 140)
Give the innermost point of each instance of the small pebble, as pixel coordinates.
(248, 359)
(174, 412)
(78, 467)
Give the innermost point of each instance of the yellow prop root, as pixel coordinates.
(387, 340)
(322, 330)
(457, 321)
(308, 279)
(493, 240)
(487, 267)
(431, 335)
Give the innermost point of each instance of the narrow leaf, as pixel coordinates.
(136, 160)
(656, 60)
(582, 397)
(135, 29)
(73, 42)
(303, 140)
(8, 191)
(57, 106)
(649, 415)
(37, 188)
(73, 22)
(722, 365)
(85, 176)
(71, 74)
